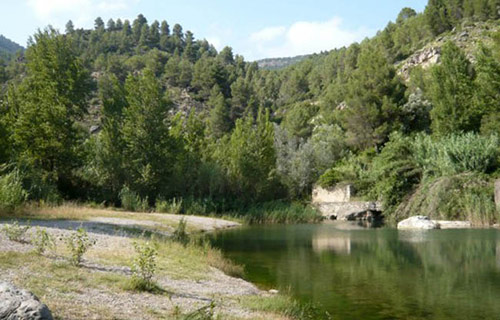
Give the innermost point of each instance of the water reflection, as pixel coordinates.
(376, 274)
(337, 244)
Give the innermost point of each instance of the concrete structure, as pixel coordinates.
(335, 204)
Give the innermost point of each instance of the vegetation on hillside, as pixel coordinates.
(146, 110)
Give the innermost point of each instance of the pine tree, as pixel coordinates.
(451, 92)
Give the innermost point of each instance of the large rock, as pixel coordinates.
(418, 223)
(18, 304)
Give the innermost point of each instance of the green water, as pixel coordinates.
(375, 273)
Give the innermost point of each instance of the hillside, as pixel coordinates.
(8, 48)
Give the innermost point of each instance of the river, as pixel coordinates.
(357, 273)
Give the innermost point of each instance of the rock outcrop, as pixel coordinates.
(18, 304)
(418, 223)
(423, 58)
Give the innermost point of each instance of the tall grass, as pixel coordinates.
(280, 212)
(456, 153)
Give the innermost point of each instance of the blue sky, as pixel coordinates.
(256, 29)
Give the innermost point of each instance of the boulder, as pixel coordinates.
(418, 223)
(18, 304)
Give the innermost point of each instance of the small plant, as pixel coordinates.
(42, 241)
(173, 206)
(144, 267)
(204, 313)
(15, 232)
(144, 205)
(129, 199)
(79, 243)
(180, 234)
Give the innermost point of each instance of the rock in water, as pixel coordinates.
(419, 223)
(18, 304)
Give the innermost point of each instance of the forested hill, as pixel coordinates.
(173, 118)
(8, 48)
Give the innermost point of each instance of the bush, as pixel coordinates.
(129, 199)
(79, 243)
(468, 196)
(12, 193)
(180, 234)
(456, 153)
(173, 206)
(42, 241)
(144, 267)
(15, 232)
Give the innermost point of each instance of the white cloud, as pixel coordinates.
(80, 11)
(267, 34)
(303, 37)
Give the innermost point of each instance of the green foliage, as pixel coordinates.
(456, 154)
(467, 196)
(78, 244)
(129, 199)
(249, 157)
(451, 92)
(144, 266)
(374, 94)
(281, 212)
(173, 206)
(15, 232)
(12, 193)
(42, 241)
(180, 234)
(145, 134)
(47, 103)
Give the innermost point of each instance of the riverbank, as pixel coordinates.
(194, 280)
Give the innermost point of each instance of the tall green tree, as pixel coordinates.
(374, 94)
(47, 104)
(145, 131)
(451, 91)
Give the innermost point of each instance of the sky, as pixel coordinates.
(255, 29)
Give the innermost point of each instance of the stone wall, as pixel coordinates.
(339, 193)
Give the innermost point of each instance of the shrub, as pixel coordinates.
(144, 267)
(42, 241)
(79, 243)
(180, 234)
(173, 206)
(15, 232)
(456, 153)
(144, 205)
(12, 193)
(129, 199)
(467, 196)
